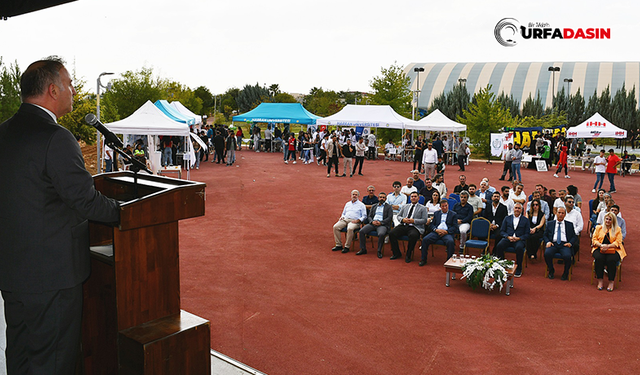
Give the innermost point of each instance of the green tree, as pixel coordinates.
(284, 97)
(392, 88)
(593, 106)
(9, 90)
(322, 103)
(251, 96)
(575, 110)
(485, 116)
(130, 92)
(207, 99)
(533, 108)
(174, 91)
(227, 102)
(457, 101)
(624, 108)
(509, 103)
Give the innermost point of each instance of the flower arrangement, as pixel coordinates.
(486, 271)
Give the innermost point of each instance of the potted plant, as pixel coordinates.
(486, 271)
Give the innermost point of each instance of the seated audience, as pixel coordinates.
(607, 250)
(370, 199)
(412, 218)
(379, 219)
(514, 232)
(352, 216)
(537, 220)
(444, 226)
(559, 237)
(464, 213)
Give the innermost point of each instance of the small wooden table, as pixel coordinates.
(455, 266)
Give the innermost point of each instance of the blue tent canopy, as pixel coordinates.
(286, 113)
(172, 113)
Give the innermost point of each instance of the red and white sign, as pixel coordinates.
(596, 127)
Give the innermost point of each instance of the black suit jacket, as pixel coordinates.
(387, 214)
(501, 213)
(550, 233)
(46, 199)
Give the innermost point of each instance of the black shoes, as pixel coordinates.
(422, 263)
(379, 254)
(394, 256)
(407, 260)
(336, 248)
(361, 252)
(518, 272)
(551, 275)
(564, 277)
(345, 250)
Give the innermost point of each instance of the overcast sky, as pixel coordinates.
(333, 44)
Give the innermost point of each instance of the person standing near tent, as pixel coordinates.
(291, 147)
(507, 156)
(515, 162)
(562, 162)
(372, 146)
(462, 154)
(417, 158)
(231, 148)
(348, 151)
(333, 151)
(613, 161)
(360, 150)
(166, 151)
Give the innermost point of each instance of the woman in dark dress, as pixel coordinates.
(537, 221)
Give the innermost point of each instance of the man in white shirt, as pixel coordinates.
(484, 194)
(440, 185)
(518, 196)
(429, 159)
(353, 215)
(409, 188)
(506, 200)
(559, 202)
(267, 138)
(108, 158)
(371, 143)
(600, 165)
(574, 216)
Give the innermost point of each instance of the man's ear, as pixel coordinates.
(53, 91)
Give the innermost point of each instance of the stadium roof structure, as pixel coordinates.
(522, 79)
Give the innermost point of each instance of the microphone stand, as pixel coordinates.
(136, 166)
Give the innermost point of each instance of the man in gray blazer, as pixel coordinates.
(412, 218)
(46, 199)
(378, 219)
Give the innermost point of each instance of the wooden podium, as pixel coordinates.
(132, 321)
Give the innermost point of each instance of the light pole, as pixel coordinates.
(553, 70)
(568, 81)
(98, 138)
(417, 92)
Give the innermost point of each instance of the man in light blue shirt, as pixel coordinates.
(396, 200)
(353, 215)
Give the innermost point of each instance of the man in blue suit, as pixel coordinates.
(559, 237)
(443, 227)
(514, 231)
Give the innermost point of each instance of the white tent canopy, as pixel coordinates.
(185, 111)
(149, 120)
(596, 127)
(437, 121)
(374, 116)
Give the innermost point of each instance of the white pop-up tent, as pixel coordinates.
(373, 116)
(437, 121)
(596, 127)
(150, 120)
(185, 111)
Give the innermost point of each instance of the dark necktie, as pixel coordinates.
(411, 211)
(558, 240)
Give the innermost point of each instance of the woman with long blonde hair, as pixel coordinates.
(607, 249)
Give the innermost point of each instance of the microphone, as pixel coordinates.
(110, 138)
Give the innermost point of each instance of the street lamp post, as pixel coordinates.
(568, 81)
(98, 138)
(553, 70)
(417, 92)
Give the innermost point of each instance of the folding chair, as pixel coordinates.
(480, 229)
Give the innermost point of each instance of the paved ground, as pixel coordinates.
(259, 267)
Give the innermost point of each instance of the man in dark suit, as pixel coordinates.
(412, 218)
(495, 213)
(559, 237)
(378, 219)
(443, 227)
(514, 232)
(46, 199)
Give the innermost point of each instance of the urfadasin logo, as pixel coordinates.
(506, 30)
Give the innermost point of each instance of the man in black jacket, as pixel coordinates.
(46, 199)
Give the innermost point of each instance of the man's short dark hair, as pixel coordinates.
(474, 185)
(39, 75)
(502, 189)
(397, 183)
(616, 207)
